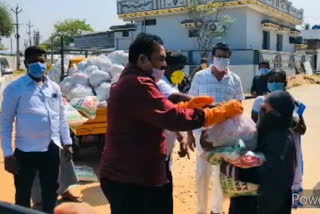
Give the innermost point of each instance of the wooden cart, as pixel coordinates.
(97, 127)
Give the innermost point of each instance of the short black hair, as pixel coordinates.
(175, 57)
(34, 50)
(279, 75)
(204, 60)
(266, 63)
(221, 46)
(143, 44)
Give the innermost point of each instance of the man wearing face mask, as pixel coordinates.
(259, 82)
(35, 103)
(133, 171)
(219, 82)
(173, 75)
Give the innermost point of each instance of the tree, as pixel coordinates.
(6, 21)
(209, 24)
(2, 47)
(69, 28)
(307, 26)
(45, 46)
(304, 26)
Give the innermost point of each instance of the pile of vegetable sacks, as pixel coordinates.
(88, 85)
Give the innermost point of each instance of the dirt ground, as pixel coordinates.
(184, 169)
(302, 79)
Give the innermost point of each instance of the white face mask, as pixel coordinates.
(221, 63)
(157, 74)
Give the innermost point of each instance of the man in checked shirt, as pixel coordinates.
(34, 102)
(219, 82)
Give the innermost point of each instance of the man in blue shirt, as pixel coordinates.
(35, 104)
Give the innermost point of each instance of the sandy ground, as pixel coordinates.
(184, 169)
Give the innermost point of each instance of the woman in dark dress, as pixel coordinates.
(275, 176)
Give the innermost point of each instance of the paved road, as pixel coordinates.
(185, 197)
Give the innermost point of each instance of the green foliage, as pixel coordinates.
(45, 46)
(2, 47)
(209, 23)
(6, 22)
(69, 28)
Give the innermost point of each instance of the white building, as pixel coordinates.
(94, 40)
(312, 40)
(262, 30)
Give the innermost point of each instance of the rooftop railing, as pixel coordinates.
(131, 6)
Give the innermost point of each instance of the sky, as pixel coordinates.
(43, 14)
(100, 14)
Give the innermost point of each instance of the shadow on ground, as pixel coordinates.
(94, 196)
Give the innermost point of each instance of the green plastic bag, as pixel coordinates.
(233, 188)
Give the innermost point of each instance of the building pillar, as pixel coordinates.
(190, 58)
(155, 4)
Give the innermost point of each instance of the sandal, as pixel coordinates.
(68, 196)
(37, 206)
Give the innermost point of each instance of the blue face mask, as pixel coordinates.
(37, 69)
(276, 86)
(264, 71)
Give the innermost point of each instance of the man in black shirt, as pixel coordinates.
(259, 83)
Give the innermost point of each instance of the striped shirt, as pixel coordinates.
(205, 83)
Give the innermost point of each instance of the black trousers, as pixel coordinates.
(243, 204)
(250, 204)
(169, 190)
(125, 198)
(47, 164)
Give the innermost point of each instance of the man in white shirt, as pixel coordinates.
(219, 82)
(35, 104)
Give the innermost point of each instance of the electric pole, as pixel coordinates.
(10, 46)
(51, 50)
(17, 10)
(62, 56)
(29, 32)
(26, 44)
(36, 38)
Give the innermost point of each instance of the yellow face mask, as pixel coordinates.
(49, 66)
(177, 77)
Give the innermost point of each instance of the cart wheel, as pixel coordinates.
(75, 146)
